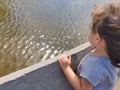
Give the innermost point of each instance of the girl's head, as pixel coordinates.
(106, 23)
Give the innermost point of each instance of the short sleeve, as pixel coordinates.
(93, 72)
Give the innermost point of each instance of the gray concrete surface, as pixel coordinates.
(45, 75)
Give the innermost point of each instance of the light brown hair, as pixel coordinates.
(106, 22)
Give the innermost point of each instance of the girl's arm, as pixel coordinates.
(77, 82)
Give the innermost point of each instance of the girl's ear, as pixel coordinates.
(98, 39)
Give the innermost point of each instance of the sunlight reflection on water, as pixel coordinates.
(35, 30)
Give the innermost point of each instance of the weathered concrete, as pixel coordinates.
(45, 75)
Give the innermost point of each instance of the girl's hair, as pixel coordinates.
(106, 22)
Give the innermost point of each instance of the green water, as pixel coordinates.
(35, 30)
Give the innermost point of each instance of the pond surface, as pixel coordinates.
(35, 30)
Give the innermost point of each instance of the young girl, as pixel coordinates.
(97, 70)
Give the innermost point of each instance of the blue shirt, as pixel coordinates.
(98, 71)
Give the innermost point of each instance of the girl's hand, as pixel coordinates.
(64, 61)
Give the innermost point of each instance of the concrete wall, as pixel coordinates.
(45, 75)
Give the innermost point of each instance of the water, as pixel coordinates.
(35, 30)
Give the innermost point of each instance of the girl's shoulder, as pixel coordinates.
(97, 62)
(90, 58)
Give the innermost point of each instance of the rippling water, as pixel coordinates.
(35, 30)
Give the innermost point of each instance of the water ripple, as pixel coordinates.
(35, 30)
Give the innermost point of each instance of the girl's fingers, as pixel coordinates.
(64, 61)
(69, 57)
(65, 56)
(61, 59)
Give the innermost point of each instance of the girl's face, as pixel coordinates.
(96, 41)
